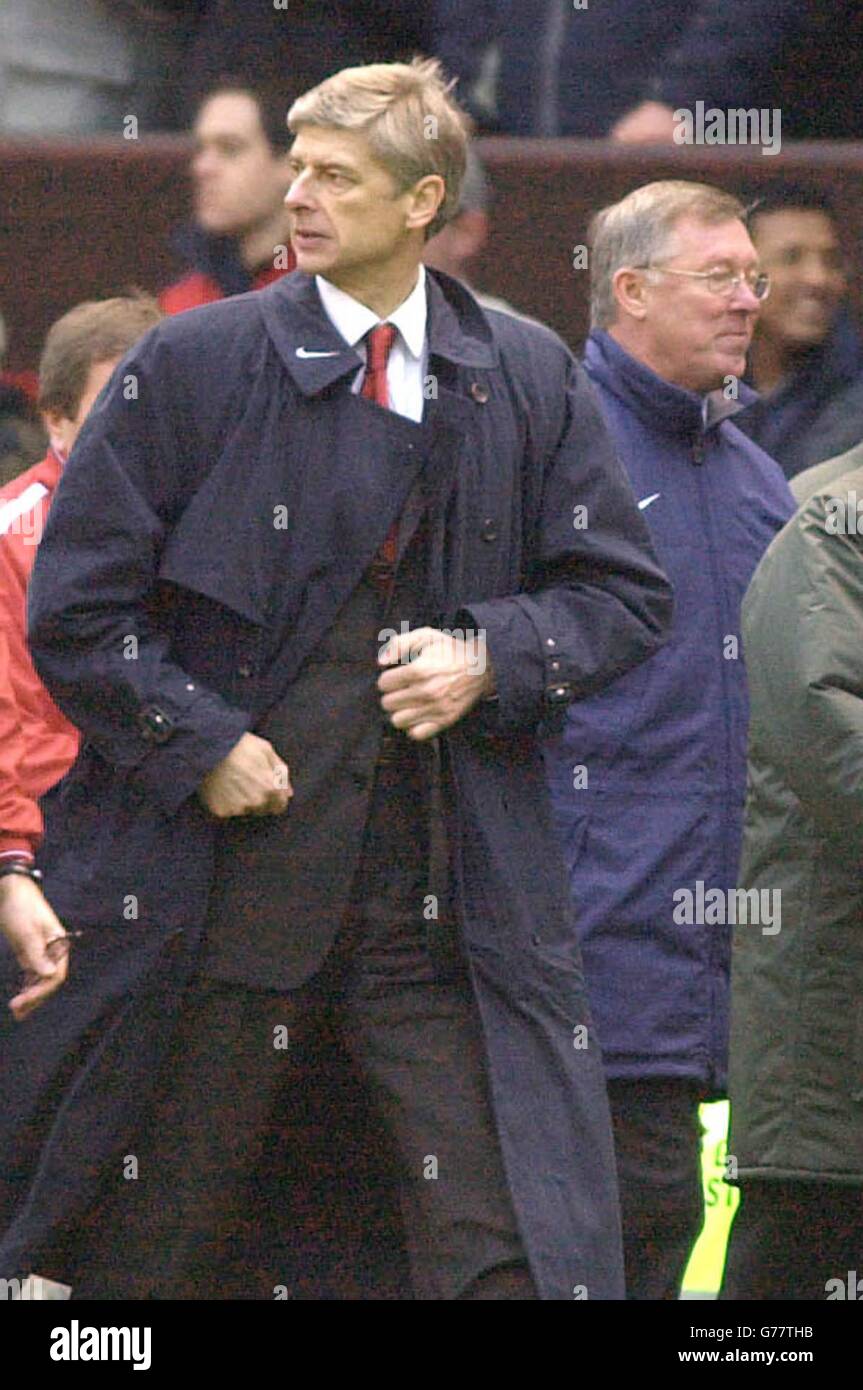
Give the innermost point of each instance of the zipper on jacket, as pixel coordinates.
(715, 1043)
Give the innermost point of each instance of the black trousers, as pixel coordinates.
(657, 1138)
(243, 1059)
(790, 1239)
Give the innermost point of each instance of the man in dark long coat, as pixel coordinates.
(324, 559)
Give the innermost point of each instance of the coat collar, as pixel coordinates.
(354, 320)
(298, 327)
(652, 397)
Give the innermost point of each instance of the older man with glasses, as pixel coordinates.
(648, 777)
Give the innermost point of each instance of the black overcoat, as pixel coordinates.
(221, 503)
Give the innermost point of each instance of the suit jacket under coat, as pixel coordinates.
(170, 605)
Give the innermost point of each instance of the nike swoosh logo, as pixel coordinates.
(305, 352)
(646, 501)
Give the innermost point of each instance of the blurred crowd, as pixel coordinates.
(806, 361)
(552, 67)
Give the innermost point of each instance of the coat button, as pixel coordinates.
(155, 724)
(489, 530)
(555, 694)
(479, 392)
(550, 642)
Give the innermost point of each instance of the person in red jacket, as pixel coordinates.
(37, 743)
(22, 441)
(239, 239)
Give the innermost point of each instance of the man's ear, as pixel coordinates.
(629, 287)
(427, 195)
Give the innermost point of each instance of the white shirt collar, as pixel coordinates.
(353, 320)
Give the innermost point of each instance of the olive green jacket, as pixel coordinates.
(796, 1066)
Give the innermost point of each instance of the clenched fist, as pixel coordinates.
(251, 781)
(433, 679)
(38, 938)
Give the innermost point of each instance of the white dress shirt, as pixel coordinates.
(406, 364)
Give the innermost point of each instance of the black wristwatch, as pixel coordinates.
(21, 866)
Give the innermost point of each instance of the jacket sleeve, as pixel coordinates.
(803, 642)
(94, 643)
(20, 817)
(595, 601)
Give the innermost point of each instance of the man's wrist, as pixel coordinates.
(19, 866)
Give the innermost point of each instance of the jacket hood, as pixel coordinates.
(654, 399)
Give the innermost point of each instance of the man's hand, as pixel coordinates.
(251, 781)
(31, 927)
(432, 680)
(651, 123)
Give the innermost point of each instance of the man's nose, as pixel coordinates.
(298, 195)
(744, 297)
(203, 165)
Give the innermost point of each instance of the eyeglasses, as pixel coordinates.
(722, 282)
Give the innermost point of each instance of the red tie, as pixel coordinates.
(378, 343)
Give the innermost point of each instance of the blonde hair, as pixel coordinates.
(413, 125)
(639, 230)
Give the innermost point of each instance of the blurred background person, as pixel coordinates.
(239, 238)
(22, 439)
(37, 743)
(80, 69)
(796, 1067)
(807, 351)
(551, 68)
(622, 68)
(456, 247)
(648, 780)
(801, 57)
(300, 43)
